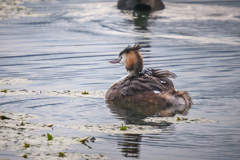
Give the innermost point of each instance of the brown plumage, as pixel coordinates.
(140, 86)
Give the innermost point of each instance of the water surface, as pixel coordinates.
(69, 48)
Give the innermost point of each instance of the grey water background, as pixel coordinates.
(69, 49)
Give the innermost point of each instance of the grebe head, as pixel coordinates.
(131, 59)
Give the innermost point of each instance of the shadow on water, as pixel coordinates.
(134, 114)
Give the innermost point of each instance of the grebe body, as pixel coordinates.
(144, 86)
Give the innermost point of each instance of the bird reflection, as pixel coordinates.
(140, 10)
(130, 145)
(140, 19)
(133, 114)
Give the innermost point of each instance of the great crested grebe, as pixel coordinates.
(140, 5)
(145, 86)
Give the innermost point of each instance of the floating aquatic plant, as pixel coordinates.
(25, 156)
(182, 119)
(4, 90)
(123, 128)
(22, 124)
(61, 154)
(26, 145)
(83, 140)
(4, 117)
(85, 92)
(49, 136)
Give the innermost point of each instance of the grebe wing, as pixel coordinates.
(159, 73)
(136, 83)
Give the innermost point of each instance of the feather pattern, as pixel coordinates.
(142, 82)
(160, 73)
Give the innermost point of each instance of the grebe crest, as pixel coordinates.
(131, 59)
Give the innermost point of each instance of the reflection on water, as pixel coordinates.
(133, 113)
(130, 145)
(130, 113)
(140, 19)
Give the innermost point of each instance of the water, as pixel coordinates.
(69, 49)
